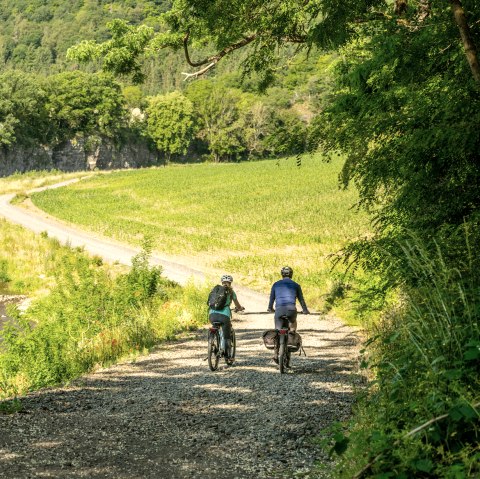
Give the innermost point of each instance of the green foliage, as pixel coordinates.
(120, 53)
(83, 103)
(424, 364)
(48, 111)
(10, 407)
(143, 281)
(287, 134)
(35, 35)
(234, 124)
(4, 277)
(226, 25)
(411, 149)
(217, 113)
(250, 126)
(134, 97)
(23, 117)
(170, 123)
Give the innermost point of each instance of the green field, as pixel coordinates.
(248, 219)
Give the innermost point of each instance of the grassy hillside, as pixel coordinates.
(248, 219)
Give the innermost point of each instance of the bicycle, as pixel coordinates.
(216, 346)
(284, 354)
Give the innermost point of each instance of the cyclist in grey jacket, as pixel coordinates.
(285, 294)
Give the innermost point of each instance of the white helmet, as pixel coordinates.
(226, 278)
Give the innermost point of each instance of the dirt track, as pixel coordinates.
(167, 416)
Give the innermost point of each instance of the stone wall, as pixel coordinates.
(76, 155)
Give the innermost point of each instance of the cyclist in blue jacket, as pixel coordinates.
(285, 294)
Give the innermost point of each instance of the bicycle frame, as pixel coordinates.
(219, 332)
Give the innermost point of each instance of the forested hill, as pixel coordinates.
(35, 34)
(48, 100)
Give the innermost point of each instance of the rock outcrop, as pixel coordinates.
(76, 155)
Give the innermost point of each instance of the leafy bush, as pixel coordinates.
(23, 117)
(84, 103)
(170, 123)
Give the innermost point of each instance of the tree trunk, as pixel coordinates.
(468, 45)
(400, 7)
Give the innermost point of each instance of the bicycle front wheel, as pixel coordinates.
(283, 354)
(213, 351)
(233, 348)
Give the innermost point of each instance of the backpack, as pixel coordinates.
(217, 299)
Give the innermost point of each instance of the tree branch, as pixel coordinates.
(468, 44)
(199, 72)
(211, 61)
(187, 55)
(214, 58)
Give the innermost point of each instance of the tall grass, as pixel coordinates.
(27, 260)
(421, 415)
(249, 218)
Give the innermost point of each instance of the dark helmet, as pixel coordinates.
(286, 271)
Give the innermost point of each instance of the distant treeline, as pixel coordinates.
(45, 99)
(219, 119)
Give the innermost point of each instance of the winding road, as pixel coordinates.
(166, 415)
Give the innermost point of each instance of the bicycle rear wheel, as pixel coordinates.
(233, 348)
(213, 351)
(283, 354)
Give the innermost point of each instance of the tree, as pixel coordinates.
(254, 123)
(170, 123)
(227, 26)
(287, 133)
(23, 117)
(85, 103)
(216, 110)
(406, 114)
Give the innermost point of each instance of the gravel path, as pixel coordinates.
(167, 416)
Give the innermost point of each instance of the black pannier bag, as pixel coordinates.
(217, 299)
(270, 338)
(294, 341)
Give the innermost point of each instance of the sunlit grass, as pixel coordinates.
(27, 260)
(21, 182)
(248, 219)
